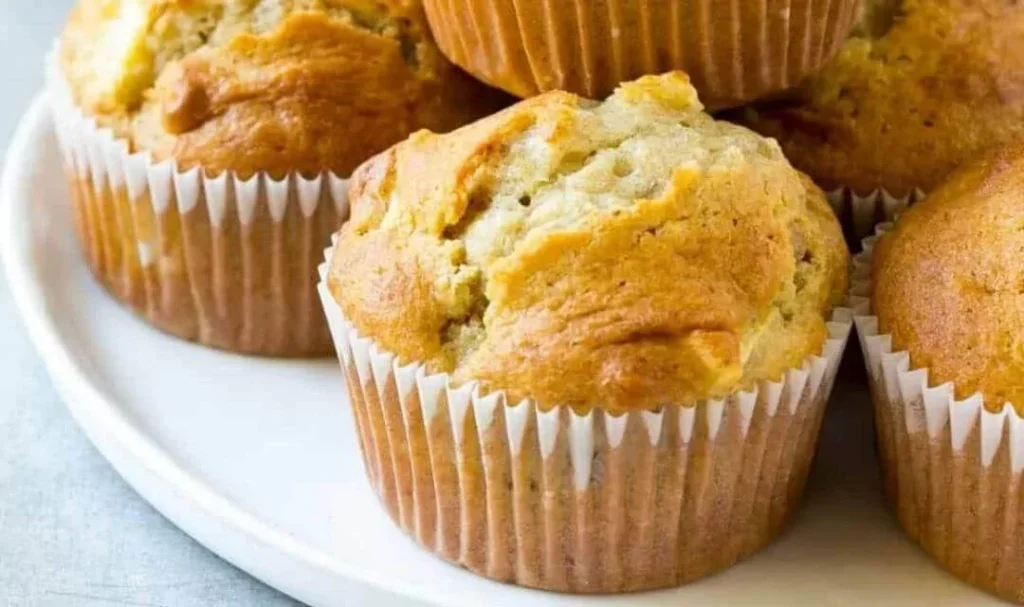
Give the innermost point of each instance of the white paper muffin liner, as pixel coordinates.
(582, 503)
(224, 261)
(951, 467)
(862, 213)
(735, 52)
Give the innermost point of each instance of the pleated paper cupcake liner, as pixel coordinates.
(591, 503)
(734, 52)
(220, 260)
(860, 214)
(951, 468)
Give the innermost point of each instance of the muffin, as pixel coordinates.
(735, 52)
(923, 87)
(205, 143)
(588, 344)
(947, 369)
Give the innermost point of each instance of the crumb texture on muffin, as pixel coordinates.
(263, 85)
(949, 281)
(925, 86)
(629, 254)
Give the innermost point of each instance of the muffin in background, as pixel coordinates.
(590, 333)
(947, 372)
(734, 52)
(206, 141)
(923, 87)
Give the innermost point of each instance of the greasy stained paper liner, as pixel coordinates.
(226, 262)
(860, 214)
(734, 52)
(591, 503)
(951, 468)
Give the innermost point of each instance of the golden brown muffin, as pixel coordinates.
(948, 289)
(609, 267)
(630, 254)
(264, 85)
(734, 51)
(948, 281)
(289, 96)
(925, 86)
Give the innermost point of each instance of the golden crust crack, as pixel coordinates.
(264, 85)
(627, 255)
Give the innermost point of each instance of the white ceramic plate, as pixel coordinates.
(257, 459)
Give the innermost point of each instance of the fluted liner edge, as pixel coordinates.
(951, 468)
(220, 260)
(590, 503)
(734, 51)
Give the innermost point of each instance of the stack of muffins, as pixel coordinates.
(587, 344)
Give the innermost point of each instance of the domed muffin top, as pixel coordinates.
(264, 85)
(926, 86)
(949, 280)
(626, 255)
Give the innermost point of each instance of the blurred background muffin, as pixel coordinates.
(734, 52)
(271, 102)
(621, 268)
(924, 86)
(945, 289)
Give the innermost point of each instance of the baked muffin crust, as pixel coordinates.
(264, 85)
(925, 86)
(949, 281)
(627, 255)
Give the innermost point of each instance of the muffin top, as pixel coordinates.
(949, 280)
(925, 86)
(625, 255)
(264, 85)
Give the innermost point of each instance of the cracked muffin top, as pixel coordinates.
(625, 255)
(264, 85)
(949, 280)
(925, 86)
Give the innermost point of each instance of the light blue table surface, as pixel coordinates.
(72, 533)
